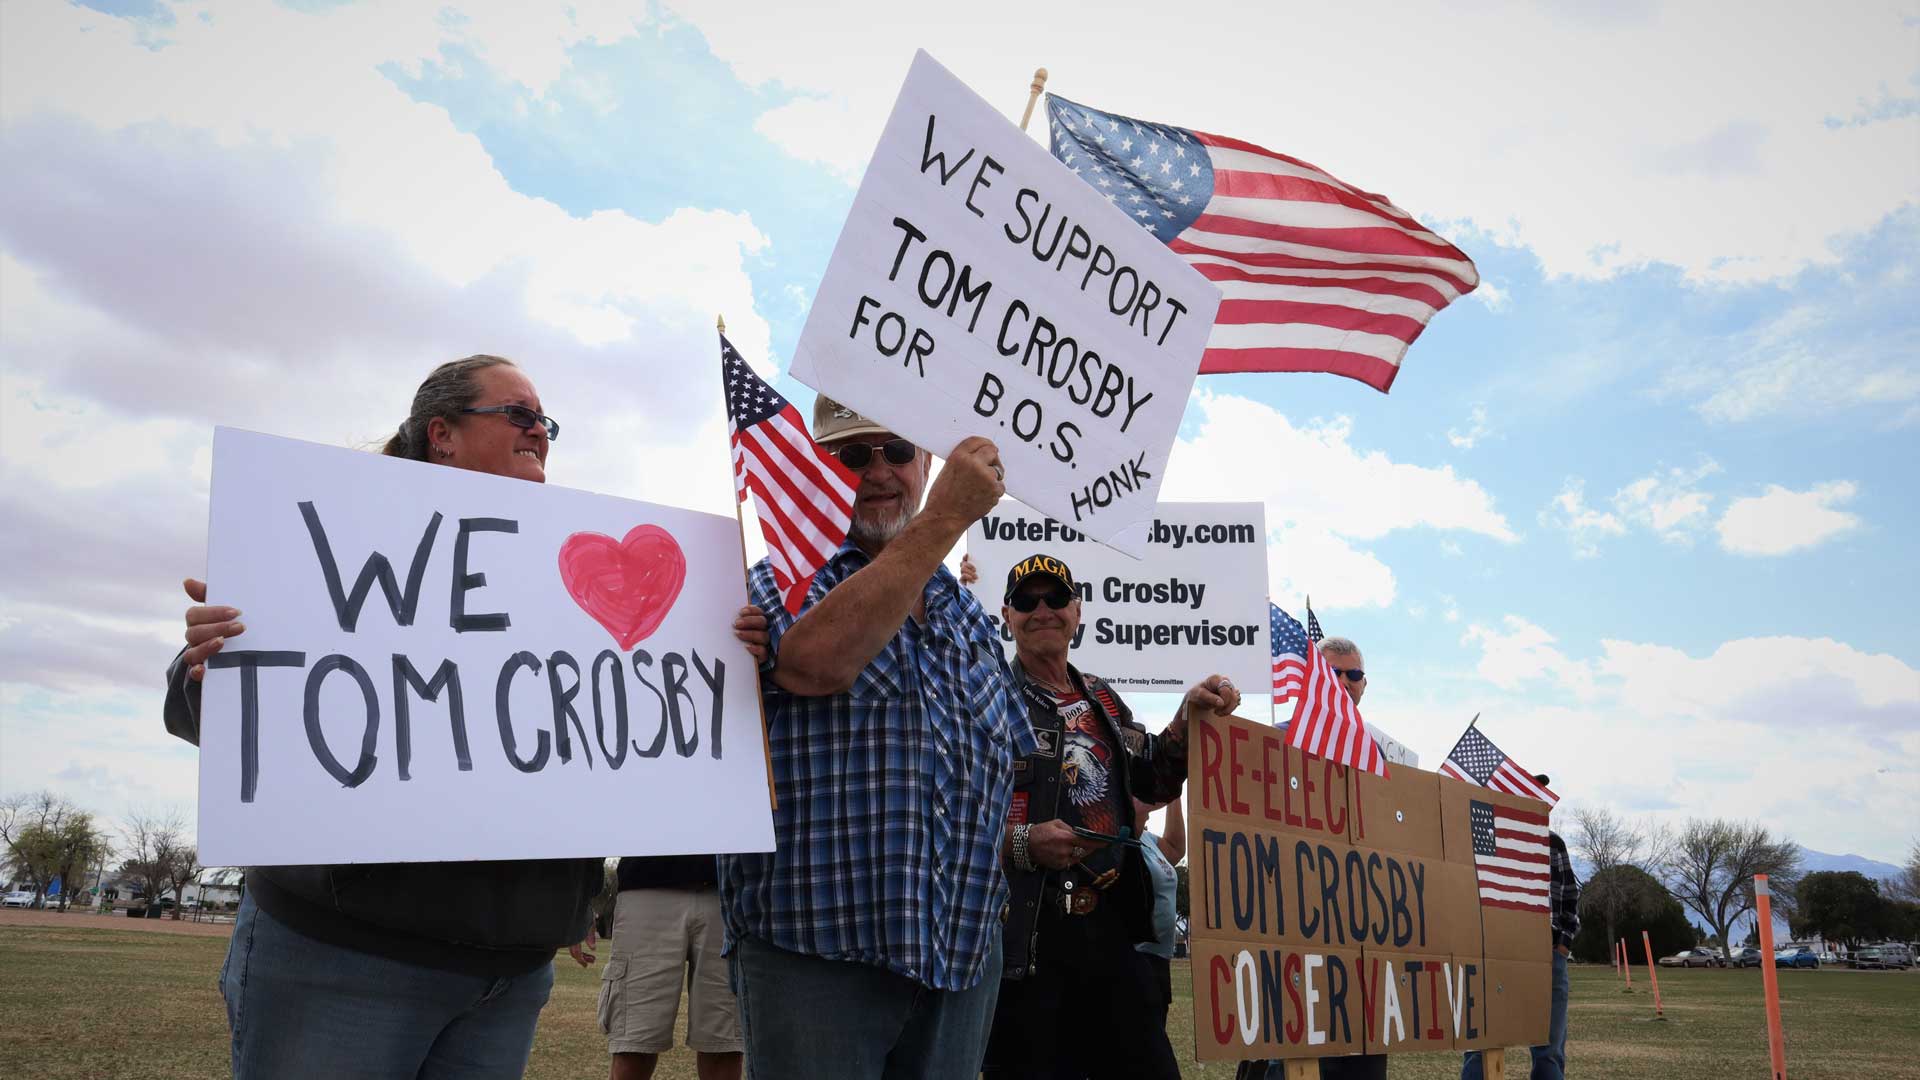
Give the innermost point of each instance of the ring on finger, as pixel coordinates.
(999, 473)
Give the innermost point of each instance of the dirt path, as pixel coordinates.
(75, 919)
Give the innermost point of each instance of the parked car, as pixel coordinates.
(1797, 956)
(1747, 956)
(1894, 954)
(17, 899)
(1868, 957)
(1699, 956)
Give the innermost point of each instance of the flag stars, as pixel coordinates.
(1193, 170)
(1136, 162)
(1126, 145)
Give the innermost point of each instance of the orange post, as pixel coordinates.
(1619, 962)
(1627, 960)
(1770, 979)
(1653, 976)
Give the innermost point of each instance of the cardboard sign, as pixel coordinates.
(979, 287)
(448, 665)
(1193, 605)
(1300, 867)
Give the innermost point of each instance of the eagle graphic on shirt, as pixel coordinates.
(1086, 767)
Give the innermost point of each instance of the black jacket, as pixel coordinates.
(1156, 771)
(484, 918)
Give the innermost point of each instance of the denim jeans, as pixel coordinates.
(1549, 1061)
(302, 1008)
(804, 1017)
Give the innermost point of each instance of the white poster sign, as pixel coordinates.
(447, 665)
(979, 287)
(1195, 604)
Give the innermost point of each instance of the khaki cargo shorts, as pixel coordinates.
(663, 938)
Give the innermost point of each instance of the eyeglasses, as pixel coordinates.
(1026, 602)
(858, 455)
(522, 417)
(1353, 674)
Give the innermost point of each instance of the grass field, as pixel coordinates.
(80, 999)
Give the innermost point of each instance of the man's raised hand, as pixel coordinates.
(1215, 694)
(971, 483)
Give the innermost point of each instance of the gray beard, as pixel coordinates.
(882, 532)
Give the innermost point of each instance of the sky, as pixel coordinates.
(1637, 501)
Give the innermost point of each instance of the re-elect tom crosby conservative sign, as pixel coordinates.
(1337, 912)
(441, 664)
(979, 287)
(1194, 603)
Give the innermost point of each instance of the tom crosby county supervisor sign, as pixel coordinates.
(979, 287)
(447, 665)
(1194, 603)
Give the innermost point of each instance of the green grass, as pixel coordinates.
(86, 1003)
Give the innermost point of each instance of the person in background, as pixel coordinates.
(1163, 852)
(867, 945)
(424, 970)
(1563, 900)
(666, 931)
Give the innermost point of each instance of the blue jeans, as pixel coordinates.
(1549, 1061)
(302, 1008)
(806, 1018)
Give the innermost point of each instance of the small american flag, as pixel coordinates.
(1314, 633)
(1477, 761)
(1510, 856)
(1315, 275)
(1325, 720)
(802, 495)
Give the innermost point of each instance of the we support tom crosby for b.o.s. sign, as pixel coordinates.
(979, 287)
(446, 665)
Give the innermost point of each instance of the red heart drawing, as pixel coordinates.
(628, 586)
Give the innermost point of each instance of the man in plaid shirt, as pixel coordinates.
(867, 944)
(1563, 895)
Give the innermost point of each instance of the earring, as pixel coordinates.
(443, 451)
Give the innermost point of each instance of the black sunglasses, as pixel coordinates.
(522, 417)
(858, 455)
(1353, 674)
(1026, 601)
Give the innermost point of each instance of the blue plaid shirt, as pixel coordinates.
(893, 797)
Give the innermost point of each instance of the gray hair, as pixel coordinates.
(1343, 646)
(451, 387)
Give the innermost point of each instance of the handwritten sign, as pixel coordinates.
(1194, 604)
(979, 287)
(1338, 912)
(441, 664)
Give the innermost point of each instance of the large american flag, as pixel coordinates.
(1315, 275)
(802, 495)
(1510, 856)
(1477, 761)
(1325, 719)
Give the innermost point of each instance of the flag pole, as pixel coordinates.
(1033, 95)
(740, 519)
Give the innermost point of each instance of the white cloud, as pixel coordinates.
(1584, 525)
(1667, 502)
(1522, 653)
(1652, 729)
(1781, 521)
(1676, 167)
(1312, 510)
(1815, 359)
(1475, 431)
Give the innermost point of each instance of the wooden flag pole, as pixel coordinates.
(1769, 978)
(1033, 95)
(1653, 977)
(740, 519)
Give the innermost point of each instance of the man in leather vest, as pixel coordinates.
(1077, 999)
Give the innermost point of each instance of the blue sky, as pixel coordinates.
(1644, 500)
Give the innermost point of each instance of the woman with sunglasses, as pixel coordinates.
(404, 970)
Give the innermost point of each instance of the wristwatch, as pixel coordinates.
(1021, 859)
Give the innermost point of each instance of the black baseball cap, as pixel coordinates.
(1043, 565)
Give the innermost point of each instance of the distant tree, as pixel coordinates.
(1181, 896)
(179, 866)
(1844, 906)
(1710, 865)
(1644, 905)
(1608, 842)
(1905, 885)
(154, 845)
(47, 838)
